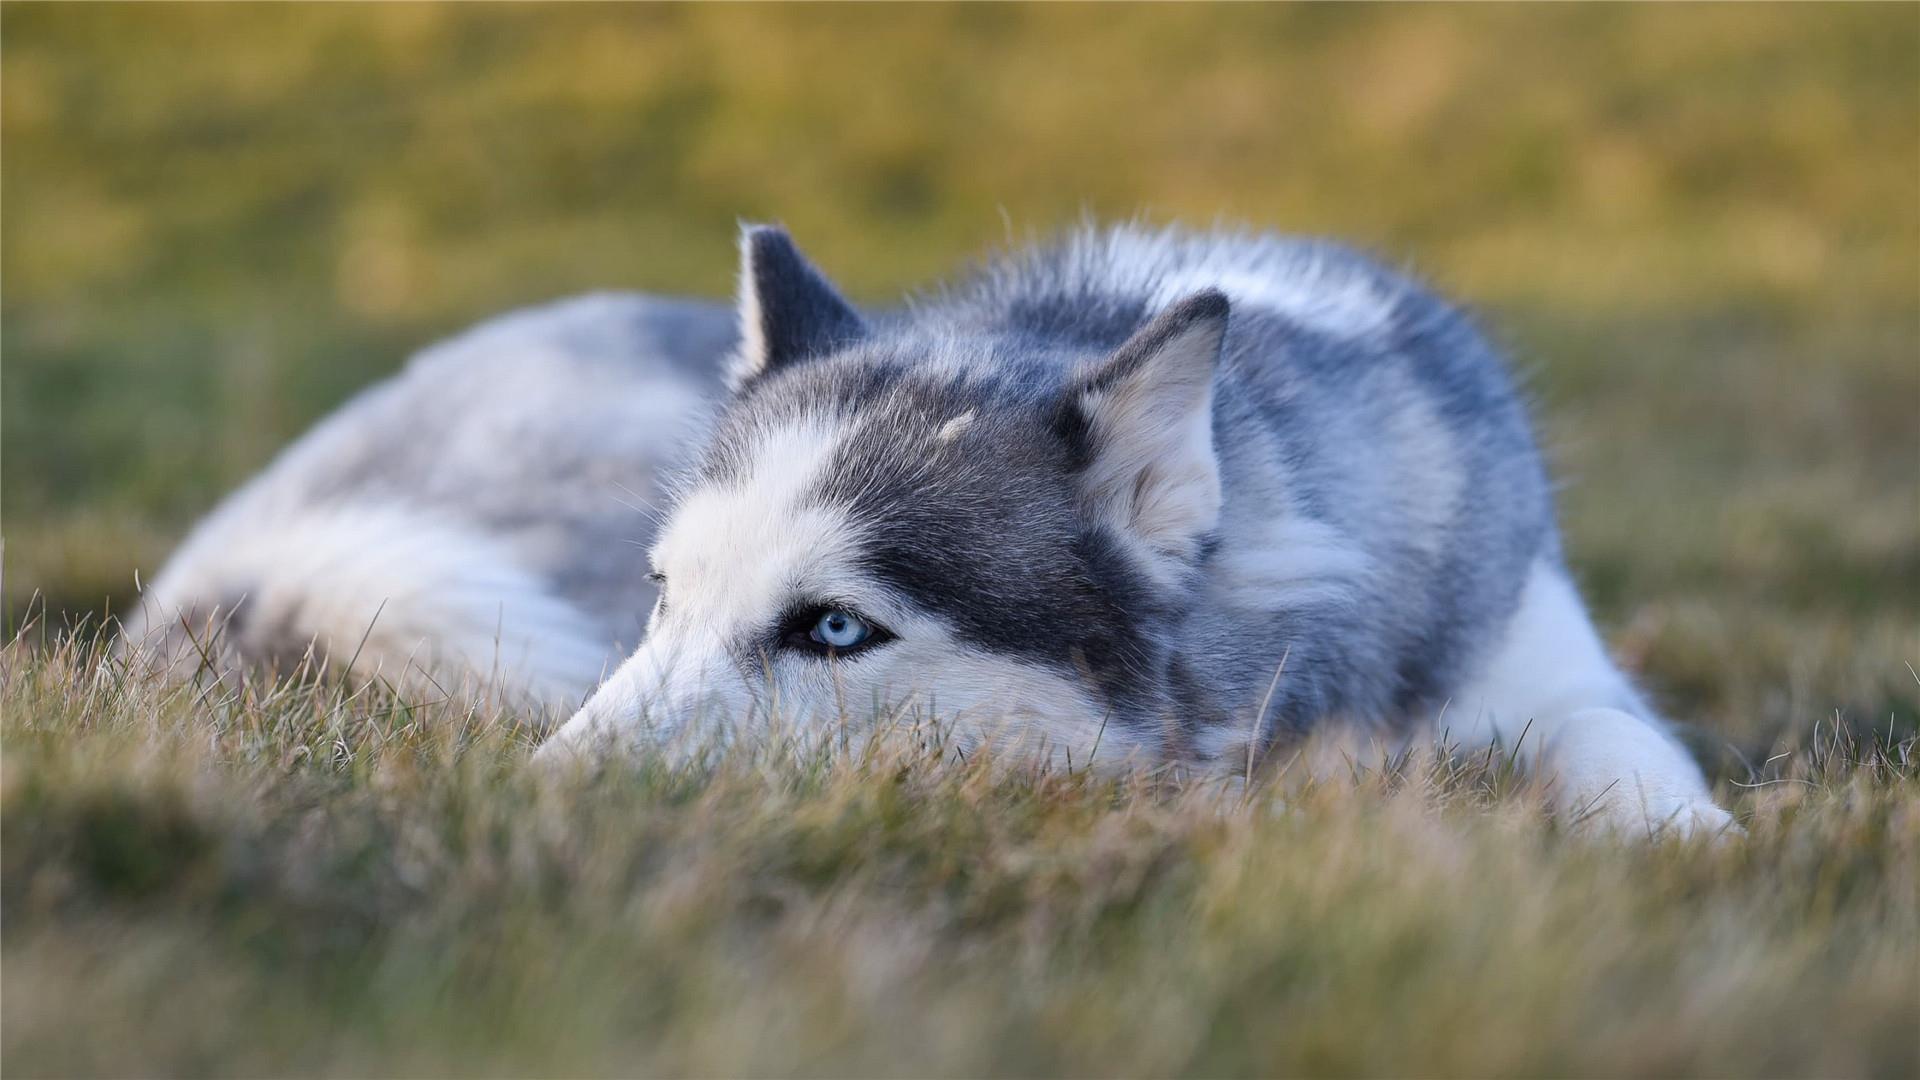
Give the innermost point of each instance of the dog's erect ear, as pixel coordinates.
(1144, 417)
(789, 311)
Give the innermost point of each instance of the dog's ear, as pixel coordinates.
(788, 310)
(1143, 420)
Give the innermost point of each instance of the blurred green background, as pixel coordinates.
(1697, 227)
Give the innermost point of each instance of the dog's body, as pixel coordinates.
(476, 521)
(1138, 497)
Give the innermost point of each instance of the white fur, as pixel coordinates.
(736, 556)
(407, 592)
(1337, 305)
(983, 698)
(682, 694)
(664, 696)
(750, 357)
(955, 427)
(1321, 295)
(731, 554)
(1552, 697)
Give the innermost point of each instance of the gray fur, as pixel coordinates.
(1190, 495)
(1400, 447)
(539, 433)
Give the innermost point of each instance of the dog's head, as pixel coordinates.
(976, 526)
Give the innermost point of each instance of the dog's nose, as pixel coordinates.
(659, 701)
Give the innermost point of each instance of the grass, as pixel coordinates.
(1697, 228)
(293, 879)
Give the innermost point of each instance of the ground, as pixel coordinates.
(1697, 229)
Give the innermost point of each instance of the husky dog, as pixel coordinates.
(469, 523)
(1147, 495)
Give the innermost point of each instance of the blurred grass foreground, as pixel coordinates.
(1698, 229)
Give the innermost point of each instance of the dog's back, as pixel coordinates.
(1384, 500)
(477, 515)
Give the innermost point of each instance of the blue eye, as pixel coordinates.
(838, 629)
(830, 631)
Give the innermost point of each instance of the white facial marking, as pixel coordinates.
(667, 697)
(1021, 710)
(739, 556)
(955, 427)
(735, 554)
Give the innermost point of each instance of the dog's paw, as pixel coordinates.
(1614, 773)
(1660, 817)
